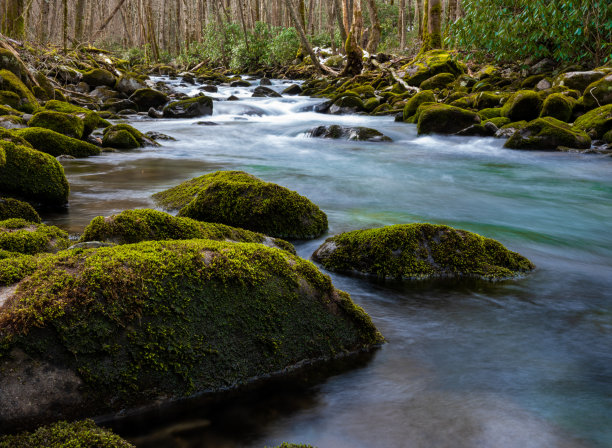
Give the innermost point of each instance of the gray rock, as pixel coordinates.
(543, 84)
(354, 133)
(578, 80)
(265, 82)
(267, 92)
(293, 89)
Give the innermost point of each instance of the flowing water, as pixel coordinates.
(468, 364)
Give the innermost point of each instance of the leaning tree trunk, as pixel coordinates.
(339, 15)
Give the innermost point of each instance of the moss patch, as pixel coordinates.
(548, 133)
(21, 236)
(142, 322)
(429, 64)
(9, 81)
(558, 106)
(241, 200)
(146, 98)
(438, 81)
(15, 267)
(91, 120)
(81, 434)
(122, 136)
(33, 175)
(134, 226)
(596, 122)
(10, 99)
(189, 108)
(66, 124)
(522, 105)
(416, 251)
(445, 119)
(99, 77)
(12, 208)
(424, 96)
(55, 144)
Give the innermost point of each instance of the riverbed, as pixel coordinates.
(522, 363)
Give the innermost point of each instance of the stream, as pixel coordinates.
(523, 363)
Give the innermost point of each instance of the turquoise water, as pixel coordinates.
(520, 363)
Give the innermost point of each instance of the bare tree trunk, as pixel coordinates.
(434, 24)
(402, 24)
(79, 17)
(338, 9)
(43, 34)
(65, 24)
(108, 19)
(375, 32)
(13, 20)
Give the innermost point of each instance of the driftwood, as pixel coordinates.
(395, 76)
(5, 42)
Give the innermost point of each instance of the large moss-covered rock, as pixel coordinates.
(128, 84)
(487, 100)
(598, 93)
(424, 96)
(80, 434)
(56, 144)
(578, 80)
(122, 136)
(189, 108)
(10, 82)
(24, 237)
(8, 61)
(66, 124)
(112, 328)
(99, 77)
(347, 104)
(429, 64)
(559, 106)
(596, 122)
(522, 105)
(146, 98)
(12, 208)
(7, 135)
(445, 119)
(91, 120)
(548, 133)
(10, 99)
(134, 226)
(438, 81)
(242, 200)
(33, 175)
(417, 251)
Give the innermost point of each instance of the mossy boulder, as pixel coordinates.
(353, 133)
(371, 104)
(147, 98)
(445, 119)
(32, 175)
(10, 82)
(24, 237)
(438, 81)
(134, 226)
(578, 80)
(424, 96)
(242, 200)
(189, 108)
(10, 99)
(548, 133)
(12, 208)
(66, 124)
(522, 105)
(429, 64)
(419, 251)
(12, 122)
(598, 93)
(498, 121)
(15, 267)
(559, 106)
(91, 120)
(486, 114)
(488, 71)
(99, 77)
(128, 84)
(80, 434)
(122, 136)
(595, 122)
(8, 61)
(113, 328)
(487, 100)
(7, 135)
(347, 103)
(56, 144)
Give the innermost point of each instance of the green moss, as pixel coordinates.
(558, 106)
(488, 71)
(487, 100)
(14, 267)
(59, 96)
(91, 120)
(548, 133)
(241, 200)
(134, 226)
(21, 236)
(445, 119)
(9, 62)
(51, 142)
(424, 96)
(598, 93)
(349, 100)
(81, 434)
(607, 137)
(415, 251)
(189, 108)
(7, 135)
(531, 81)
(438, 81)
(371, 104)
(99, 77)
(515, 125)
(33, 175)
(596, 122)
(146, 98)
(498, 121)
(365, 91)
(142, 322)
(12, 208)
(522, 105)
(486, 114)
(429, 64)
(122, 136)
(66, 124)
(10, 99)
(11, 83)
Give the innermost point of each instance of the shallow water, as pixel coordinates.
(520, 363)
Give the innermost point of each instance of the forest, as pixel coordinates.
(305, 223)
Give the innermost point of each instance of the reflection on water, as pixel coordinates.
(521, 363)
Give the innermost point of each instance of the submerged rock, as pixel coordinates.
(242, 200)
(356, 133)
(28, 238)
(134, 226)
(12, 208)
(32, 175)
(418, 251)
(548, 133)
(189, 108)
(109, 329)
